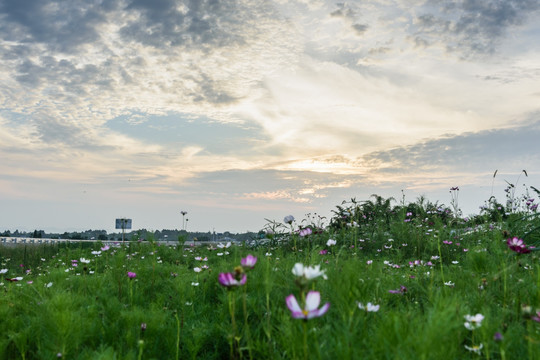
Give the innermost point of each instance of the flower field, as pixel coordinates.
(411, 281)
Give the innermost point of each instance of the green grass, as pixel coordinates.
(94, 311)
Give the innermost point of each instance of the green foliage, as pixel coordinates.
(440, 267)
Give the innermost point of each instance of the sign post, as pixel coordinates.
(123, 224)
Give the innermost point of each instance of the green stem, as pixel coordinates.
(233, 323)
(304, 325)
(246, 325)
(440, 258)
(177, 335)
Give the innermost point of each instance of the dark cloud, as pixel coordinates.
(360, 28)
(471, 152)
(61, 25)
(40, 33)
(472, 27)
(186, 23)
(343, 11)
(211, 91)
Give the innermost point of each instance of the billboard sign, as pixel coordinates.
(123, 224)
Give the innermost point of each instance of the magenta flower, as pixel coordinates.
(402, 290)
(323, 252)
(249, 261)
(537, 317)
(229, 281)
(131, 275)
(313, 299)
(517, 245)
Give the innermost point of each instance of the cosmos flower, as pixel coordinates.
(331, 242)
(131, 275)
(473, 322)
(475, 348)
(308, 272)
(536, 317)
(288, 219)
(517, 245)
(402, 290)
(369, 307)
(229, 281)
(249, 261)
(313, 299)
(305, 232)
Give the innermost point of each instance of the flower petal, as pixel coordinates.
(318, 312)
(298, 269)
(292, 304)
(313, 299)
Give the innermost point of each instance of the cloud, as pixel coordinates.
(59, 25)
(463, 157)
(470, 27)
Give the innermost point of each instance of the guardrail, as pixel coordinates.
(37, 241)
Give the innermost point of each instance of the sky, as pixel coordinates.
(244, 111)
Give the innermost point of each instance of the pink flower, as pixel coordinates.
(402, 290)
(105, 248)
(323, 252)
(305, 232)
(537, 317)
(249, 261)
(229, 281)
(517, 245)
(131, 275)
(313, 299)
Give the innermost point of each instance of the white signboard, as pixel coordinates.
(123, 224)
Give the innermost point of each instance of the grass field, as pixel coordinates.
(409, 281)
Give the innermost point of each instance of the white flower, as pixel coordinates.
(96, 252)
(331, 242)
(449, 283)
(85, 261)
(3, 271)
(197, 269)
(476, 349)
(221, 246)
(455, 262)
(369, 262)
(194, 284)
(309, 272)
(369, 307)
(49, 285)
(288, 219)
(473, 322)
(219, 254)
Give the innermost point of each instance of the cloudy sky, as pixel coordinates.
(238, 111)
